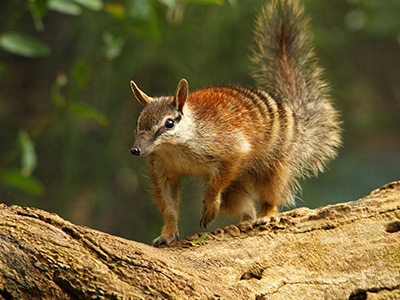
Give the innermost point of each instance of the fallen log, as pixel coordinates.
(342, 251)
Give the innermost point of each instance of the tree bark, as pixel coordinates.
(342, 251)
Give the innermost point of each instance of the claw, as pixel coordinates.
(260, 222)
(266, 220)
(159, 241)
(207, 217)
(203, 223)
(163, 240)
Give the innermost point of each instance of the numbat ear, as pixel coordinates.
(142, 97)
(181, 94)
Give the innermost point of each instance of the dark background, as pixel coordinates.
(67, 116)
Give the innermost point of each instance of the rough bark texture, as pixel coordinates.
(342, 251)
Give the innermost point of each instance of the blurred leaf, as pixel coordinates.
(170, 3)
(95, 5)
(66, 7)
(38, 9)
(23, 45)
(140, 9)
(28, 184)
(116, 10)
(233, 3)
(219, 2)
(114, 44)
(84, 110)
(28, 154)
(81, 72)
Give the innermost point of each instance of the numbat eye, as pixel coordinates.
(169, 124)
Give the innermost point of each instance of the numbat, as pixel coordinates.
(249, 143)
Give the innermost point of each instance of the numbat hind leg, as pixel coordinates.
(236, 201)
(270, 196)
(268, 212)
(276, 191)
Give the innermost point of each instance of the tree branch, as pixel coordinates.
(342, 251)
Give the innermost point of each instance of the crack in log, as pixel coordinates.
(253, 274)
(363, 294)
(67, 287)
(393, 227)
(5, 295)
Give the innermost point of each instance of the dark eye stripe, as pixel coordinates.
(162, 128)
(158, 133)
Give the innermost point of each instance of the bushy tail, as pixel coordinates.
(286, 64)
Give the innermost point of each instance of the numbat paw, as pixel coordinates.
(164, 240)
(208, 215)
(265, 220)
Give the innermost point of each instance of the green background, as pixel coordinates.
(67, 114)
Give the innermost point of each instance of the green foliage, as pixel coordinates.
(196, 243)
(65, 7)
(116, 10)
(95, 5)
(85, 111)
(57, 97)
(28, 155)
(113, 44)
(141, 17)
(218, 2)
(14, 178)
(81, 72)
(20, 44)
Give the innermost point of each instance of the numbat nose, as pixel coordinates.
(135, 151)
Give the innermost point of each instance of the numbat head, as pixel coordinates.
(160, 119)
